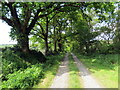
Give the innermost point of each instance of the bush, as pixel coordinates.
(37, 55)
(52, 60)
(13, 60)
(22, 70)
(24, 79)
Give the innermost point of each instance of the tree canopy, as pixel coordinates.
(57, 25)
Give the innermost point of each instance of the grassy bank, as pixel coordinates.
(50, 71)
(103, 67)
(74, 78)
(21, 70)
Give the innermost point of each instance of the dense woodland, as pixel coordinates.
(54, 28)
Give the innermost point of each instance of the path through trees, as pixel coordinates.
(61, 79)
(88, 80)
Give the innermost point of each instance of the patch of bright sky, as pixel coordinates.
(4, 34)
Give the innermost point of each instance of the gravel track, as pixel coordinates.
(61, 78)
(88, 80)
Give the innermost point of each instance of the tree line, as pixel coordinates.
(60, 26)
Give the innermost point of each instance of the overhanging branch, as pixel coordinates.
(8, 21)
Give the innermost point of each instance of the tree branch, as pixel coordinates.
(52, 17)
(14, 15)
(36, 17)
(27, 15)
(39, 36)
(41, 28)
(8, 21)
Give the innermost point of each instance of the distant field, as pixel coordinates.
(6, 45)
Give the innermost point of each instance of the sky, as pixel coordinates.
(4, 34)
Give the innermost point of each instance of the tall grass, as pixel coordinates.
(50, 70)
(103, 67)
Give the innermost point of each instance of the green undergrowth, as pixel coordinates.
(74, 78)
(50, 70)
(14, 60)
(103, 67)
(21, 70)
(119, 72)
(24, 78)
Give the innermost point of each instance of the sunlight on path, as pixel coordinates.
(61, 79)
(88, 80)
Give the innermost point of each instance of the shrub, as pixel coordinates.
(11, 63)
(22, 70)
(37, 55)
(13, 60)
(24, 79)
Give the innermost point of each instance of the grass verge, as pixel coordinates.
(50, 71)
(103, 67)
(74, 78)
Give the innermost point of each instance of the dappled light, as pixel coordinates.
(60, 45)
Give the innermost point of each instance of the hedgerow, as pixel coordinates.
(21, 70)
(24, 79)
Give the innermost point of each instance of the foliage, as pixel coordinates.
(56, 27)
(49, 21)
(24, 79)
(50, 70)
(13, 60)
(24, 71)
(116, 40)
(82, 35)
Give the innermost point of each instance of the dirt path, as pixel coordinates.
(88, 80)
(61, 79)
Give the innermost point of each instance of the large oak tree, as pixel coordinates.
(22, 16)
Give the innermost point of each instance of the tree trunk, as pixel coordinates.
(55, 46)
(59, 45)
(46, 47)
(46, 37)
(23, 42)
(87, 48)
(55, 40)
(108, 41)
